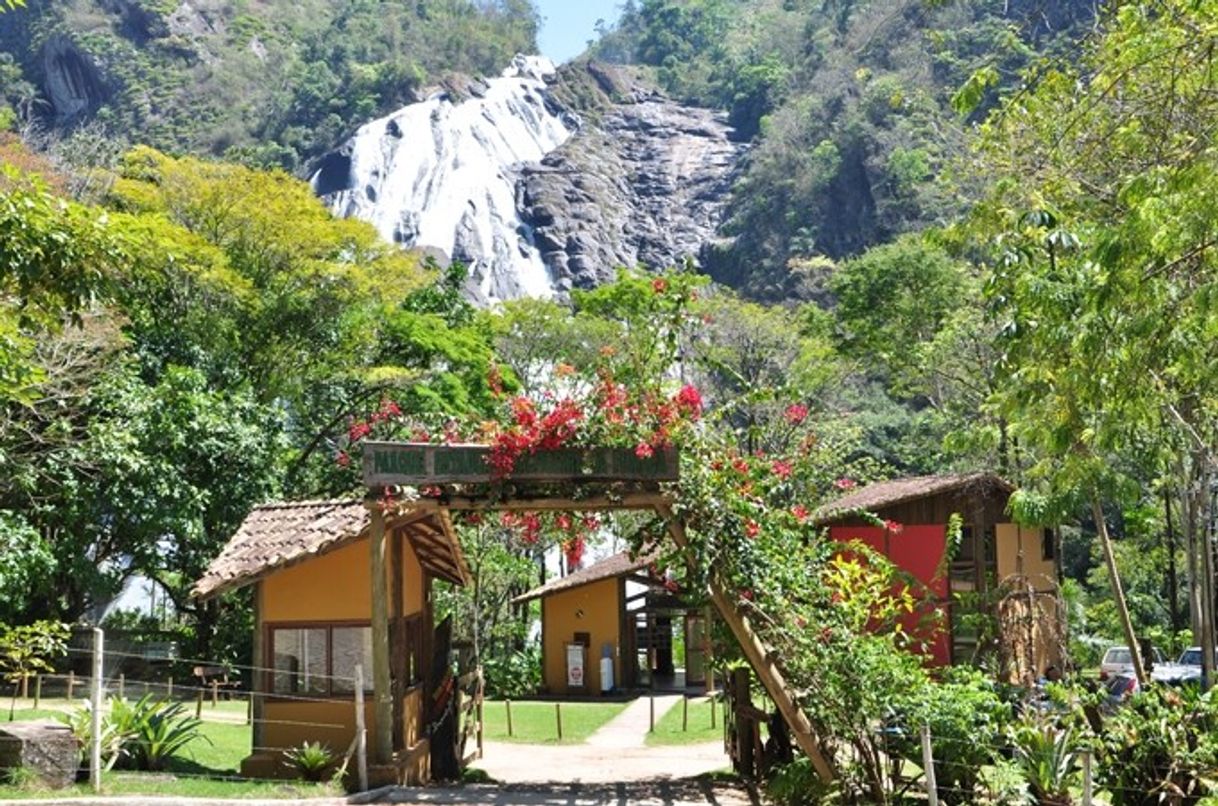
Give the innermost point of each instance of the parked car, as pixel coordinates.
(1190, 664)
(1118, 661)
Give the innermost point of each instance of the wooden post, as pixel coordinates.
(651, 716)
(122, 686)
(712, 699)
(684, 714)
(558, 718)
(481, 694)
(508, 704)
(249, 709)
(199, 706)
(169, 688)
(37, 691)
(928, 765)
(381, 690)
(95, 728)
(71, 683)
(759, 658)
(215, 693)
(361, 730)
(1087, 781)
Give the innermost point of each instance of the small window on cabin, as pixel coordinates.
(300, 661)
(351, 646)
(1048, 546)
(965, 552)
(320, 661)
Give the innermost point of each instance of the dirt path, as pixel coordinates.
(630, 727)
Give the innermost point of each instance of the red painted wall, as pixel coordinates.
(918, 550)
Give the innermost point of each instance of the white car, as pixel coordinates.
(1118, 661)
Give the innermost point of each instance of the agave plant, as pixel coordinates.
(311, 760)
(142, 735)
(161, 729)
(1047, 757)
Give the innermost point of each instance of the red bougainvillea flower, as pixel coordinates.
(563, 521)
(746, 594)
(689, 400)
(796, 413)
(752, 528)
(659, 285)
(474, 518)
(343, 459)
(671, 585)
(845, 484)
(740, 465)
(431, 492)
(644, 451)
(781, 469)
(800, 512)
(893, 527)
(358, 430)
(420, 435)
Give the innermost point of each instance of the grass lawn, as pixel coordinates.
(203, 769)
(535, 723)
(668, 728)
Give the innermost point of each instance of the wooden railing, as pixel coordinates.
(469, 714)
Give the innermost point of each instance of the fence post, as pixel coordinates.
(361, 730)
(71, 682)
(558, 718)
(712, 699)
(215, 693)
(95, 728)
(249, 709)
(508, 704)
(684, 714)
(122, 686)
(1087, 782)
(651, 712)
(169, 688)
(928, 765)
(199, 706)
(37, 690)
(481, 696)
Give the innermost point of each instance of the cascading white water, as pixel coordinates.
(443, 175)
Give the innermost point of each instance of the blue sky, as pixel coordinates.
(567, 25)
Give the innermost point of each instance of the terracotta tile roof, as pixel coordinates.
(897, 491)
(276, 535)
(617, 565)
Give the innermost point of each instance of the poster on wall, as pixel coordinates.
(575, 665)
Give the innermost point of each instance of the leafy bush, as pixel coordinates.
(311, 760)
(967, 718)
(797, 784)
(1161, 747)
(513, 674)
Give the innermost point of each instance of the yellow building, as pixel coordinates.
(618, 609)
(309, 563)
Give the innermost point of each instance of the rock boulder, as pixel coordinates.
(48, 749)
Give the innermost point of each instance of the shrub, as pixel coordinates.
(1160, 747)
(1046, 755)
(515, 674)
(311, 760)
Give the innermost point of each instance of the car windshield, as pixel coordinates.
(1191, 657)
(1118, 654)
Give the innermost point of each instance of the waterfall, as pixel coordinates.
(444, 175)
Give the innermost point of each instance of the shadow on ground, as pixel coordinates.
(664, 792)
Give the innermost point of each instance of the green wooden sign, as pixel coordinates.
(419, 464)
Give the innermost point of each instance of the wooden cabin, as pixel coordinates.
(309, 565)
(618, 608)
(1008, 570)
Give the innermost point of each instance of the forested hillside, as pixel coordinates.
(271, 83)
(851, 107)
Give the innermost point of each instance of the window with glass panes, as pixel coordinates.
(320, 659)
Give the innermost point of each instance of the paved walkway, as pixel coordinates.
(630, 727)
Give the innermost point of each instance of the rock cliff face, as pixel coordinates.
(646, 182)
(541, 183)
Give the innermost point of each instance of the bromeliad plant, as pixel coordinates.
(140, 735)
